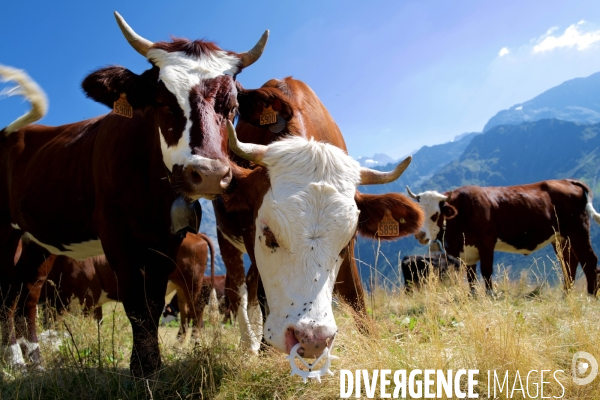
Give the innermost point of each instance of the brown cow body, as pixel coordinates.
(474, 221)
(93, 282)
(107, 184)
(300, 114)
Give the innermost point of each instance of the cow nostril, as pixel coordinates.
(195, 176)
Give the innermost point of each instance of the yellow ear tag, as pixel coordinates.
(268, 116)
(122, 107)
(388, 225)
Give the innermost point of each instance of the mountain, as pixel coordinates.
(377, 160)
(530, 152)
(575, 100)
(426, 161)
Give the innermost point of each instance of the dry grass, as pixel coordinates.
(438, 327)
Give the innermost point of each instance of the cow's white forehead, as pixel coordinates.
(311, 199)
(180, 73)
(311, 221)
(430, 202)
(296, 161)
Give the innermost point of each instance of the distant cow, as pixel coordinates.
(181, 307)
(293, 206)
(108, 184)
(474, 221)
(93, 282)
(416, 268)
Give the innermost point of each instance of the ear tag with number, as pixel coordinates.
(268, 116)
(388, 226)
(122, 107)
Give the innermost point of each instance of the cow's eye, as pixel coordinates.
(232, 114)
(270, 240)
(344, 251)
(435, 217)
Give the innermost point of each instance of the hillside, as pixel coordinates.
(575, 100)
(530, 152)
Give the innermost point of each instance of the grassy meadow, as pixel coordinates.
(527, 326)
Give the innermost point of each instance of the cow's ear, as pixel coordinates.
(247, 188)
(374, 207)
(449, 211)
(252, 104)
(107, 84)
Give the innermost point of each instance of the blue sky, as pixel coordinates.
(395, 75)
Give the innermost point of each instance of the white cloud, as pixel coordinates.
(503, 51)
(574, 36)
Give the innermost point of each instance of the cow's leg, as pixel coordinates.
(486, 263)
(183, 303)
(584, 252)
(33, 268)
(197, 303)
(98, 314)
(235, 284)
(143, 305)
(10, 351)
(249, 313)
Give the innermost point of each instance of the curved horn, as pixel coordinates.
(248, 58)
(411, 194)
(140, 44)
(248, 151)
(374, 177)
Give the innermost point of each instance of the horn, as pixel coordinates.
(373, 177)
(414, 196)
(248, 151)
(140, 44)
(248, 58)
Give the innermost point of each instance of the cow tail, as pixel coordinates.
(27, 88)
(589, 207)
(593, 213)
(213, 301)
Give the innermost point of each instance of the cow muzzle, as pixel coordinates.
(306, 341)
(313, 339)
(207, 179)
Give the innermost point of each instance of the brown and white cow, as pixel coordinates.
(93, 282)
(474, 221)
(296, 210)
(107, 184)
(197, 316)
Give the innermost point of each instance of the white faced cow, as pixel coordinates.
(474, 221)
(305, 214)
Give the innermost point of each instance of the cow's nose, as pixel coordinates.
(209, 178)
(312, 340)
